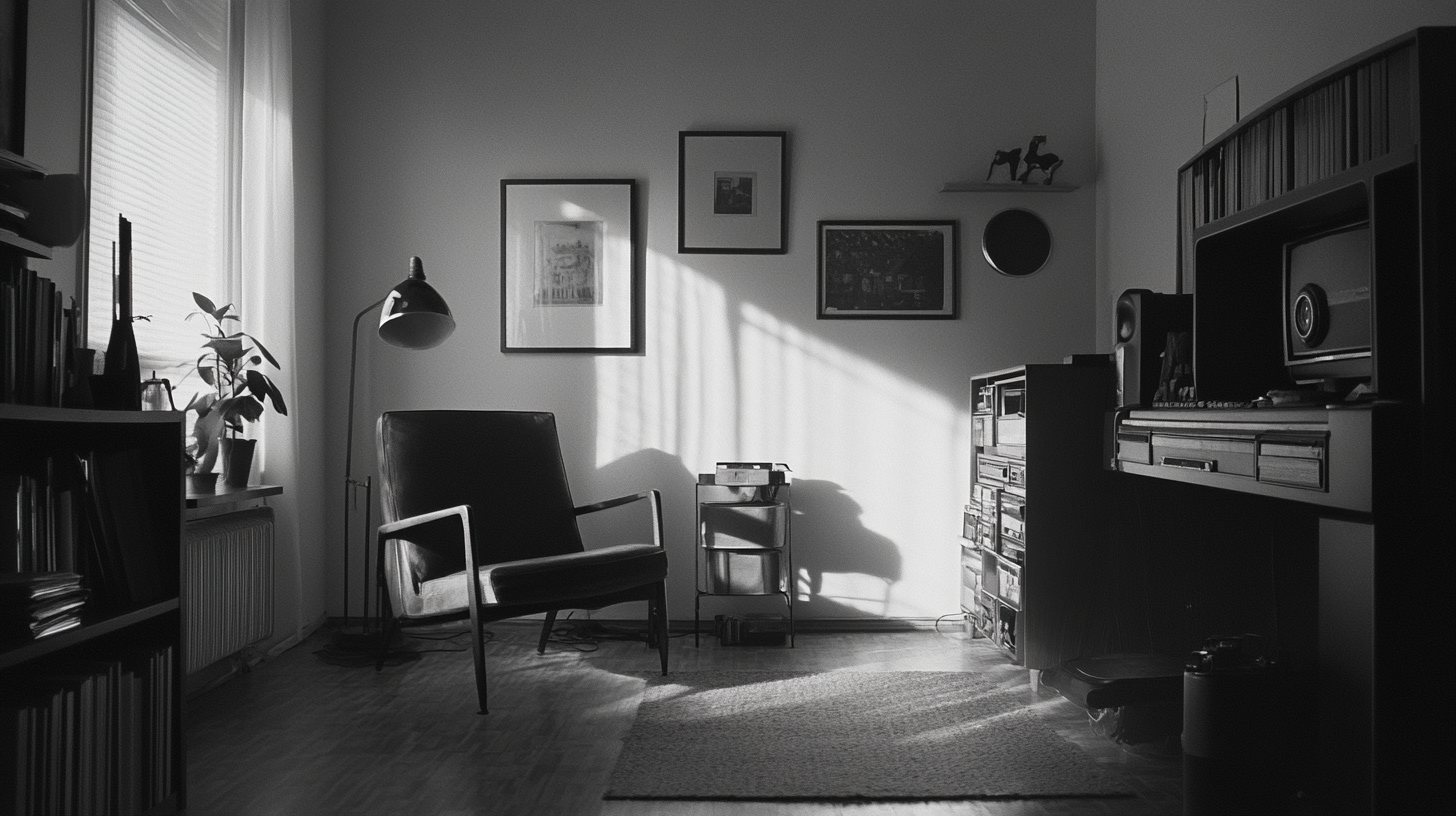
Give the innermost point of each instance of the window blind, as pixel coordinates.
(162, 123)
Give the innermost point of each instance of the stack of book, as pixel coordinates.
(36, 604)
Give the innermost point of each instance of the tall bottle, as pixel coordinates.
(123, 369)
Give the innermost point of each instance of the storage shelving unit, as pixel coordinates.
(92, 714)
(1036, 480)
(744, 544)
(1365, 143)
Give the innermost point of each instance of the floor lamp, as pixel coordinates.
(414, 317)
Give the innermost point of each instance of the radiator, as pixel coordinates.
(227, 601)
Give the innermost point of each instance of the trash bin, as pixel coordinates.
(1235, 730)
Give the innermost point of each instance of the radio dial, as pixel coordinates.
(1310, 321)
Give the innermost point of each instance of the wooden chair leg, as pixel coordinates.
(546, 631)
(658, 610)
(477, 641)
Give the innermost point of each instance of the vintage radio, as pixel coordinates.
(1327, 305)
(995, 469)
(1011, 527)
(1011, 415)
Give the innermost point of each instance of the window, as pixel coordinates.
(164, 119)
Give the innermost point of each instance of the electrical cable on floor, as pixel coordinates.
(963, 615)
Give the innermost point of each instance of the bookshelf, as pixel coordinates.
(90, 717)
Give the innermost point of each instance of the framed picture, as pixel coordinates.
(569, 266)
(888, 269)
(732, 191)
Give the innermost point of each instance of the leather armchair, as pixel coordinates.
(484, 494)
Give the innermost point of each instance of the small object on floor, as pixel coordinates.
(1130, 698)
(755, 629)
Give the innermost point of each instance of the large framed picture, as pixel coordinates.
(569, 266)
(888, 269)
(732, 192)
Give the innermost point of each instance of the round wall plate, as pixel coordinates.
(1016, 242)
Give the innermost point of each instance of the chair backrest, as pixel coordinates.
(506, 464)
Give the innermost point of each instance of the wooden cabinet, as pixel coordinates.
(92, 714)
(1036, 488)
(1363, 149)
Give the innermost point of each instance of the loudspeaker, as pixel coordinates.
(1144, 319)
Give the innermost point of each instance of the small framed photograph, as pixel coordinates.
(732, 192)
(888, 269)
(569, 266)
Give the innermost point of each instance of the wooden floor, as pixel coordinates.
(299, 735)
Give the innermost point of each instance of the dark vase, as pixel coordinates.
(202, 482)
(120, 385)
(237, 460)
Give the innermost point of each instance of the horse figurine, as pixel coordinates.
(1045, 162)
(1010, 158)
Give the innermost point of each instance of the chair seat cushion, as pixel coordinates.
(568, 578)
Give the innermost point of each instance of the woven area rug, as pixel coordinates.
(843, 735)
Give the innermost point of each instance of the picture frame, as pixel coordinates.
(570, 266)
(732, 192)
(889, 270)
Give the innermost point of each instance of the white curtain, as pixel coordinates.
(270, 297)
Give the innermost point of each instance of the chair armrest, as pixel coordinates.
(392, 529)
(652, 496)
(396, 529)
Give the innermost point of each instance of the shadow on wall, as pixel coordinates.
(646, 469)
(842, 568)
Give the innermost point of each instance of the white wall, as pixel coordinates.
(1155, 62)
(430, 104)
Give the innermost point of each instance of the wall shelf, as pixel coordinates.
(1005, 187)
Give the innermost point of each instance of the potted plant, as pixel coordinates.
(239, 392)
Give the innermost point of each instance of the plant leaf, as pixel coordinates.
(265, 352)
(207, 375)
(204, 303)
(227, 348)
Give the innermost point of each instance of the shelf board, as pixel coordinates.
(31, 650)
(232, 495)
(1004, 187)
(14, 163)
(46, 413)
(26, 245)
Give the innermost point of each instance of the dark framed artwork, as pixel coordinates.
(569, 266)
(889, 269)
(12, 75)
(732, 191)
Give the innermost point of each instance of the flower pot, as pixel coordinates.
(202, 483)
(237, 460)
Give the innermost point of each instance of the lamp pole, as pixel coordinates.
(350, 483)
(413, 316)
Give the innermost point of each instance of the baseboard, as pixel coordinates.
(809, 624)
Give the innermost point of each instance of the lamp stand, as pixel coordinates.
(365, 637)
(413, 316)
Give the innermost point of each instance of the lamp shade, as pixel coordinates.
(414, 315)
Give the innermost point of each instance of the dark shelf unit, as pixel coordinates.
(1366, 142)
(101, 703)
(1036, 480)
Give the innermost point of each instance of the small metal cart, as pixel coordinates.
(743, 545)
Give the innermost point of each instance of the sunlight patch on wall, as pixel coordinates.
(896, 447)
(878, 459)
(680, 396)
